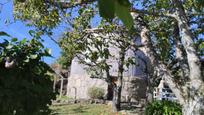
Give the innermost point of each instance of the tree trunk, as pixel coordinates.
(109, 95)
(180, 55)
(67, 92)
(159, 69)
(68, 75)
(114, 94)
(118, 87)
(187, 41)
(191, 98)
(116, 98)
(54, 83)
(194, 102)
(61, 87)
(193, 107)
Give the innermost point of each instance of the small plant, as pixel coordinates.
(163, 108)
(96, 92)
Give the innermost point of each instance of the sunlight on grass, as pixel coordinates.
(82, 109)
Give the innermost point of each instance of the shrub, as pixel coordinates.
(96, 92)
(26, 88)
(163, 108)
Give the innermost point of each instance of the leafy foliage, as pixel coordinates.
(46, 14)
(71, 42)
(37, 12)
(2, 33)
(108, 9)
(96, 92)
(163, 108)
(26, 87)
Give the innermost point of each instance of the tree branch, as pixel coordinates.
(65, 5)
(163, 14)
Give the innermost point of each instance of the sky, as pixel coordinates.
(19, 30)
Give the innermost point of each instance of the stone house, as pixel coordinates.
(134, 83)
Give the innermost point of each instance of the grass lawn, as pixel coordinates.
(82, 109)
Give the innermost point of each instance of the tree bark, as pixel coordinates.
(118, 86)
(61, 86)
(187, 41)
(115, 98)
(194, 102)
(180, 59)
(54, 83)
(159, 69)
(67, 85)
(110, 82)
(68, 75)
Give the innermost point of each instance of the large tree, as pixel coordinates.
(189, 87)
(101, 50)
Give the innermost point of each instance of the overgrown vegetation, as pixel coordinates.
(26, 87)
(96, 92)
(163, 108)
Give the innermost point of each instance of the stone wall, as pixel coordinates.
(134, 88)
(78, 86)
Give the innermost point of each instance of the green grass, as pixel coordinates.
(63, 98)
(82, 109)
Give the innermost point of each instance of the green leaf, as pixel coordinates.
(124, 2)
(107, 53)
(201, 46)
(34, 56)
(10, 46)
(14, 39)
(122, 11)
(48, 51)
(94, 56)
(2, 33)
(107, 8)
(27, 60)
(31, 32)
(23, 41)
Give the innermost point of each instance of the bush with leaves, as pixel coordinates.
(163, 108)
(96, 92)
(26, 87)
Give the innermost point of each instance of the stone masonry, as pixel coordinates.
(134, 83)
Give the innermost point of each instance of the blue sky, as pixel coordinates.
(20, 30)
